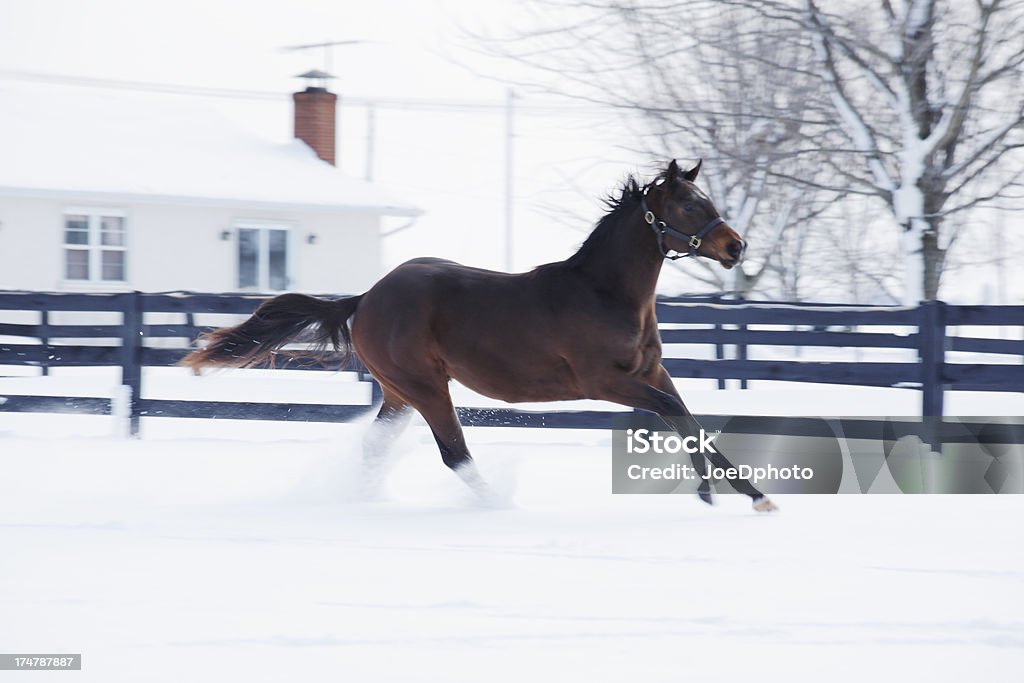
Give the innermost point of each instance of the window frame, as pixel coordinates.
(263, 229)
(94, 246)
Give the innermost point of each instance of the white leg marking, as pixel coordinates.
(377, 445)
(488, 496)
(763, 504)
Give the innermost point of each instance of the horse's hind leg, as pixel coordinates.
(380, 437)
(444, 423)
(424, 386)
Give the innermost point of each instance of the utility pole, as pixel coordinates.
(1001, 297)
(371, 140)
(510, 134)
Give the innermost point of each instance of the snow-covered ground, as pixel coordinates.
(220, 550)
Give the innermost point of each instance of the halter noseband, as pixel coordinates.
(661, 228)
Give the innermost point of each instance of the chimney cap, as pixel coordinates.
(316, 79)
(316, 74)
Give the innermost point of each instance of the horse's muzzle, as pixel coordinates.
(735, 250)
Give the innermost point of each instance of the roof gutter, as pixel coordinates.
(186, 200)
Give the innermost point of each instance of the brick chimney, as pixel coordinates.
(314, 120)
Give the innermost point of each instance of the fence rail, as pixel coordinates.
(733, 328)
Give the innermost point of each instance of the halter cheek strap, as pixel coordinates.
(661, 228)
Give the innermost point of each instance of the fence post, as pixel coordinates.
(932, 331)
(131, 356)
(719, 351)
(741, 350)
(44, 336)
(376, 393)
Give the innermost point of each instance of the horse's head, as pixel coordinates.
(688, 221)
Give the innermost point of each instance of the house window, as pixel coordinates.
(263, 258)
(94, 245)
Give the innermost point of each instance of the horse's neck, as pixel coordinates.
(629, 262)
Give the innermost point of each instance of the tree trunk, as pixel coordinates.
(934, 260)
(913, 261)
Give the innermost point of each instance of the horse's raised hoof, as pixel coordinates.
(763, 504)
(706, 497)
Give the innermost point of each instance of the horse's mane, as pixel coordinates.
(629, 197)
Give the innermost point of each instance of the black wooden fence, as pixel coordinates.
(733, 328)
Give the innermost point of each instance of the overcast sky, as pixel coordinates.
(450, 162)
(234, 43)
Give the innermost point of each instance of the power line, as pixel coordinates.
(168, 88)
(383, 102)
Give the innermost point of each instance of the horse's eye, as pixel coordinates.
(689, 207)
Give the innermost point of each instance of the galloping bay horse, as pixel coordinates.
(580, 328)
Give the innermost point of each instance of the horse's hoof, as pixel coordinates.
(763, 504)
(706, 497)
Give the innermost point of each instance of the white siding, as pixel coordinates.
(180, 247)
(31, 234)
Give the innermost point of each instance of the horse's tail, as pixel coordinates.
(276, 323)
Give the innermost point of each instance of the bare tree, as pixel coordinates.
(753, 123)
(917, 105)
(692, 94)
(929, 96)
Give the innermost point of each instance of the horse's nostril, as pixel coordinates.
(735, 248)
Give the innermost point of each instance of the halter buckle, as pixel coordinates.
(649, 217)
(695, 243)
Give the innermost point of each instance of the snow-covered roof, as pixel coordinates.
(91, 143)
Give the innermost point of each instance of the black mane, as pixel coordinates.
(629, 198)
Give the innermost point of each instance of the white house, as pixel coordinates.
(108, 190)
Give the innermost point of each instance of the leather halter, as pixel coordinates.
(661, 228)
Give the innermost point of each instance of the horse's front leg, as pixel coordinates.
(663, 381)
(631, 391)
(657, 394)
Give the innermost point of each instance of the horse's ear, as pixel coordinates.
(673, 171)
(691, 175)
